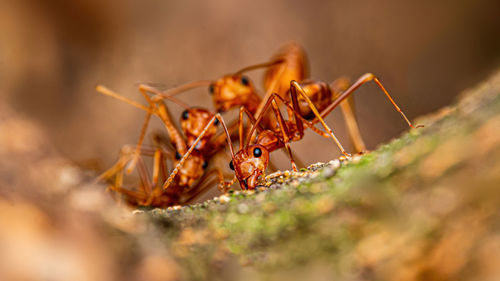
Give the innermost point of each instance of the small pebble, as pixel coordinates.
(335, 164)
(224, 199)
(328, 172)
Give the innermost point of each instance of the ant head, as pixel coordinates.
(231, 91)
(193, 121)
(249, 165)
(192, 169)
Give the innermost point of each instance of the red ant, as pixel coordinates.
(250, 162)
(236, 89)
(289, 64)
(188, 179)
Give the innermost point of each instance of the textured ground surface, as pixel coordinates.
(425, 206)
(422, 207)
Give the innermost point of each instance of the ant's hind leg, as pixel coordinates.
(137, 152)
(125, 154)
(207, 181)
(134, 197)
(362, 80)
(144, 176)
(158, 170)
(349, 112)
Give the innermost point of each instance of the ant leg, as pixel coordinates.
(125, 153)
(206, 182)
(159, 96)
(113, 170)
(271, 102)
(223, 185)
(348, 111)
(200, 188)
(306, 122)
(143, 89)
(284, 132)
(117, 169)
(138, 196)
(267, 103)
(132, 163)
(175, 135)
(240, 126)
(352, 127)
(290, 108)
(269, 91)
(289, 151)
(157, 169)
(137, 152)
(163, 169)
(193, 146)
(144, 176)
(157, 160)
(105, 91)
(362, 80)
(164, 114)
(252, 120)
(156, 107)
(294, 88)
(217, 142)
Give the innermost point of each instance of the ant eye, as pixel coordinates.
(231, 165)
(257, 152)
(245, 81)
(204, 165)
(211, 88)
(178, 155)
(185, 114)
(216, 122)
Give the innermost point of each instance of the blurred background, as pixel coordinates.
(55, 224)
(54, 52)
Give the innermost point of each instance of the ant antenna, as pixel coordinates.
(257, 66)
(182, 88)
